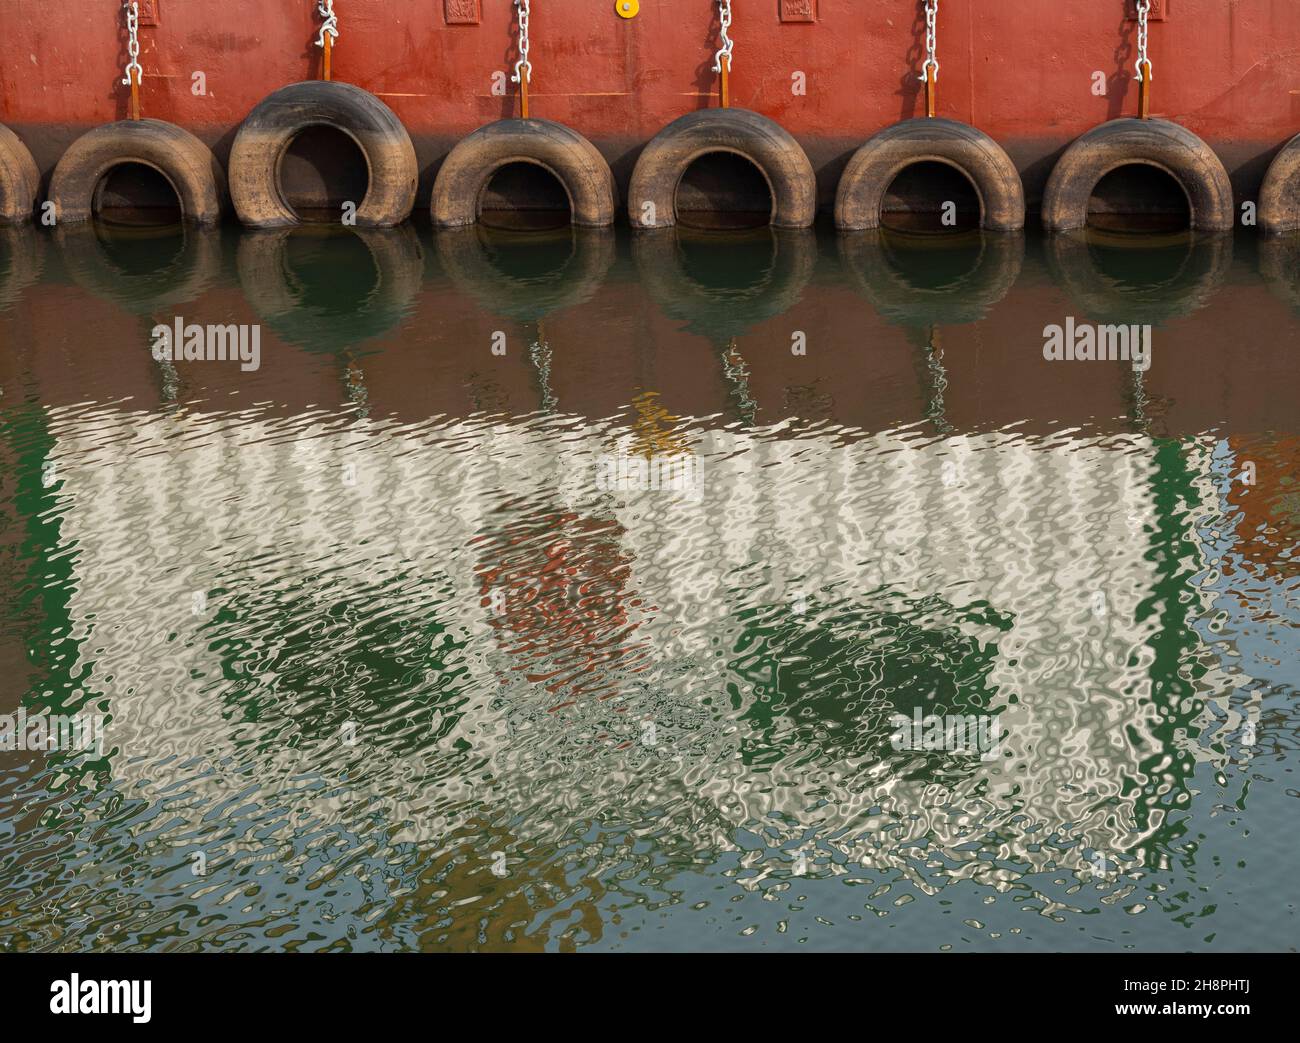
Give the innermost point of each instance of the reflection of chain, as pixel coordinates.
(938, 381)
(523, 67)
(1144, 9)
(133, 42)
(728, 44)
(326, 10)
(931, 20)
(539, 353)
(1140, 409)
(357, 393)
(737, 374)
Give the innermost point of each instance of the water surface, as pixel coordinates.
(399, 648)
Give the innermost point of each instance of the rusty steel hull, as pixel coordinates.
(1031, 75)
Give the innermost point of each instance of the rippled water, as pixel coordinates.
(393, 651)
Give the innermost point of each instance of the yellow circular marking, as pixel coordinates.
(627, 8)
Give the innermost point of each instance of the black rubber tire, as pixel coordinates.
(569, 157)
(584, 255)
(1173, 276)
(923, 294)
(188, 165)
(973, 153)
(19, 179)
(1279, 199)
(280, 117)
(769, 146)
(720, 308)
(1158, 143)
(194, 267)
(326, 327)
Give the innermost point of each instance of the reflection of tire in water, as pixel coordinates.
(1131, 280)
(21, 261)
(723, 284)
(526, 276)
(1279, 264)
(932, 280)
(328, 289)
(141, 269)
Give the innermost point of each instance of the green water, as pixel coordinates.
(396, 644)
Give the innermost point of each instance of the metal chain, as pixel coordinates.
(1144, 9)
(931, 44)
(325, 8)
(728, 44)
(523, 67)
(133, 42)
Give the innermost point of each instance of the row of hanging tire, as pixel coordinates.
(254, 180)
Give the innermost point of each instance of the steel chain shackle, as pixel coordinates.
(728, 44)
(133, 73)
(930, 67)
(133, 40)
(1143, 63)
(723, 59)
(523, 67)
(1143, 13)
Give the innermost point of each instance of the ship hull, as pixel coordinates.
(1032, 76)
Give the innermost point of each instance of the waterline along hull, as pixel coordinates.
(1033, 76)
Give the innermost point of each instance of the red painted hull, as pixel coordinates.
(1024, 71)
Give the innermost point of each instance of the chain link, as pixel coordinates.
(931, 43)
(1144, 9)
(523, 67)
(728, 44)
(325, 8)
(133, 42)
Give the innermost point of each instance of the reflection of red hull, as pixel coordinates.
(859, 370)
(1023, 72)
(1268, 525)
(562, 612)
